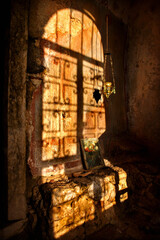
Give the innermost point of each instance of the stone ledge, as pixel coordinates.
(79, 202)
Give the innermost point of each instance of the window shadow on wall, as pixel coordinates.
(63, 109)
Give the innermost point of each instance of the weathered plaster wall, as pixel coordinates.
(17, 110)
(143, 63)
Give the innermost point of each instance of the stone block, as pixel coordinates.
(85, 203)
(63, 194)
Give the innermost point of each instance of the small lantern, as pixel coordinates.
(108, 88)
(109, 80)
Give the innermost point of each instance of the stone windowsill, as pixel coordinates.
(85, 202)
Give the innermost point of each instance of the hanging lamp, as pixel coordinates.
(109, 80)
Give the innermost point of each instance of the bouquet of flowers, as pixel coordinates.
(91, 146)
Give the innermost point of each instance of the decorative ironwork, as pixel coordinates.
(55, 99)
(56, 113)
(70, 145)
(92, 102)
(51, 122)
(70, 121)
(60, 96)
(70, 94)
(70, 71)
(67, 100)
(51, 92)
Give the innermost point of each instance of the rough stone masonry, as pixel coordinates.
(76, 207)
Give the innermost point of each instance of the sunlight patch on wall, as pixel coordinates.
(72, 58)
(93, 113)
(75, 30)
(59, 106)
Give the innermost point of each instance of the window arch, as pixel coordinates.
(73, 58)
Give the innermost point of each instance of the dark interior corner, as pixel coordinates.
(52, 64)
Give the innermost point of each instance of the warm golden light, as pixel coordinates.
(87, 203)
(108, 89)
(76, 33)
(108, 84)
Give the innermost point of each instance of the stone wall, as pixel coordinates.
(76, 207)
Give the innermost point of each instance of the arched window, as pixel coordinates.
(73, 58)
(64, 110)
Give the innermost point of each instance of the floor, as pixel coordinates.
(128, 229)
